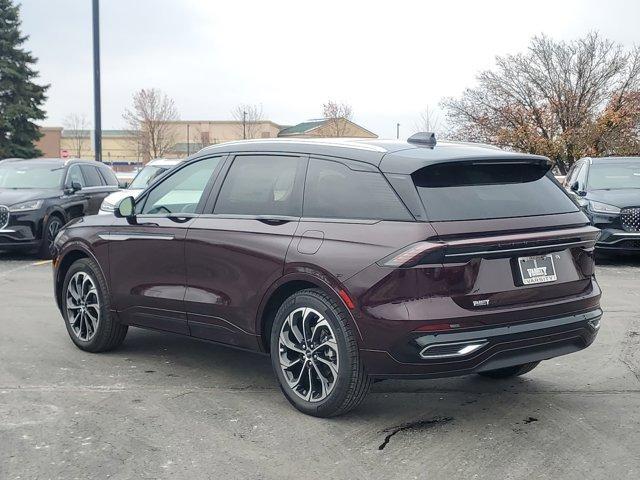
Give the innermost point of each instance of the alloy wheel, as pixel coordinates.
(83, 306)
(308, 354)
(52, 232)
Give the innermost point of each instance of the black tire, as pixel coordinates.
(510, 371)
(351, 383)
(49, 231)
(109, 333)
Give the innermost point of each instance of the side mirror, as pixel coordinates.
(575, 187)
(126, 208)
(73, 188)
(123, 183)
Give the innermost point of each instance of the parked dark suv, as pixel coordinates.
(608, 189)
(346, 261)
(37, 197)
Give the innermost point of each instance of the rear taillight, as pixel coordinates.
(415, 254)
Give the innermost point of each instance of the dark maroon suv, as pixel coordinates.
(344, 260)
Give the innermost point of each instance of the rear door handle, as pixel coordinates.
(275, 219)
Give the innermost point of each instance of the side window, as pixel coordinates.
(262, 185)
(333, 190)
(182, 191)
(109, 177)
(581, 177)
(74, 175)
(91, 175)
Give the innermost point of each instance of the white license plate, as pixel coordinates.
(539, 269)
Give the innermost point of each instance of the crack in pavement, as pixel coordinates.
(412, 426)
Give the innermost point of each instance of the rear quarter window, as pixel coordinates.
(474, 191)
(333, 190)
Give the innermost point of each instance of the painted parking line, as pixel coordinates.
(42, 262)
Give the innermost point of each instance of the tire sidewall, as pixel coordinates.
(87, 267)
(345, 364)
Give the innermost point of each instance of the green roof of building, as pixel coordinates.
(302, 127)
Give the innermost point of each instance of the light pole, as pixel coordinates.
(97, 138)
(397, 130)
(244, 125)
(188, 140)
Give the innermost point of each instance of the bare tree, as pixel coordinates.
(338, 116)
(249, 117)
(77, 129)
(149, 120)
(428, 121)
(560, 99)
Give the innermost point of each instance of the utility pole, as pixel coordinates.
(397, 130)
(97, 138)
(188, 140)
(244, 125)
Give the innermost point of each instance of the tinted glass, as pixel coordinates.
(581, 176)
(147, 175)
(604, 176)
(333, 190)
(109, 177)
(262, 185)
(23, 175)
(91, 175)
(75, 176)
(182, 191)
(477, 191)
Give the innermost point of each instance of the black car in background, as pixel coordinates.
(608, 189)
(38, 197)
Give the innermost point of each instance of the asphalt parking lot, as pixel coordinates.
(165, 406)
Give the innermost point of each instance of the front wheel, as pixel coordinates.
(315, 355)
(85, 307)
(49, 231)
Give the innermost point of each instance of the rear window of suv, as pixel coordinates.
(484, 190)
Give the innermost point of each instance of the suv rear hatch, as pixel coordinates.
(507, 236)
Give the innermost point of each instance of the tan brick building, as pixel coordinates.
(121, 146)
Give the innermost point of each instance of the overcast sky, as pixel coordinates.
(389, 60)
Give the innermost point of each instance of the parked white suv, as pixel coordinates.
(151, 171)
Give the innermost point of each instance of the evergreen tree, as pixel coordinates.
(20, 99)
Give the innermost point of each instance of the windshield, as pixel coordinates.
(611, 176)
(147, 175)
(25, 175)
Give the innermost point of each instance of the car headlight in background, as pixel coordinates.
(26, 206)
(597, 207)
(107, 207)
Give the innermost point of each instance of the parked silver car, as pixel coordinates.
(151, 171)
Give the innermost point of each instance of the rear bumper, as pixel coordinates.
(500, 347)
(618, 240)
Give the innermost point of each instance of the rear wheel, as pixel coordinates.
(85, 307)
(510, 371)
(315, 355)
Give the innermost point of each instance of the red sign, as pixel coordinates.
(64, 153)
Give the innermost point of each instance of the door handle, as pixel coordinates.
(275, 220)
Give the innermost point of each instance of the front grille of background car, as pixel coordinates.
(628, 245)
(630, 218)
(4, 216)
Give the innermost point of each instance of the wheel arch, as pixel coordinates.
(68, 257)
(283, 289)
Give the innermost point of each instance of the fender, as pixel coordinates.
(313, 275)
(68, 248)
